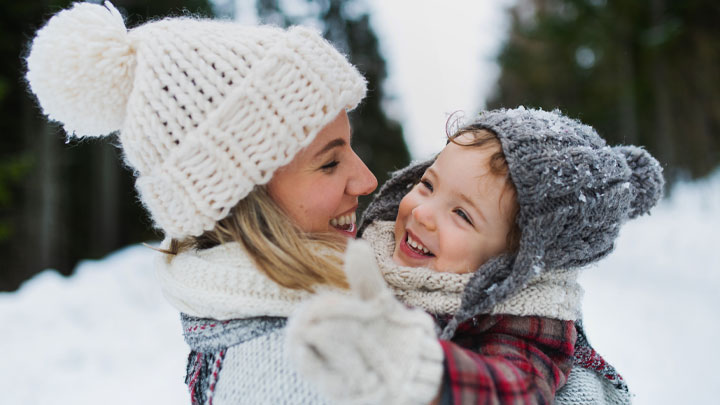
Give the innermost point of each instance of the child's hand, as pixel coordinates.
(366, 347)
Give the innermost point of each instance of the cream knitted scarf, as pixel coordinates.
(554, 294)
(223, 283)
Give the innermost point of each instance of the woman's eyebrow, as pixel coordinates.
(335, 143)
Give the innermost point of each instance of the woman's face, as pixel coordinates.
(319, 188)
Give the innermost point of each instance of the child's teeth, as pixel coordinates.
(334, 222)
(353, 217)
(417, 245)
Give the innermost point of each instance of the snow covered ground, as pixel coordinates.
(652, 308)
(105, 335)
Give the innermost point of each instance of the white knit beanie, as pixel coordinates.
(206, 109)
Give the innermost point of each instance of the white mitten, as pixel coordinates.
(366, 348)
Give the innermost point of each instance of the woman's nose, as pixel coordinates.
(362, 181)
(423, 215)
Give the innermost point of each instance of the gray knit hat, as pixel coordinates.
(573, 193)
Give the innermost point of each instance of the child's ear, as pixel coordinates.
(646, 181)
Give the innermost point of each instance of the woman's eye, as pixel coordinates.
(427, 184)
(463, 215)
(329, 166)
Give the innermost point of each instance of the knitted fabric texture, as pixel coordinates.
(223, 283)
(206, 109)
(366, 348)
(435, 292)
(242, 361)
(585, 388)
(573, 193)
(586, 357)
(234, 320)
(592, 380)
(554, 294)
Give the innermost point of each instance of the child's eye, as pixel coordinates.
(463, 215)
(329, 166)
(427, 184)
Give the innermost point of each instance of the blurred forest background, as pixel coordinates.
(642, 72)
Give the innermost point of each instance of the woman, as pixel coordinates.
(217, 120)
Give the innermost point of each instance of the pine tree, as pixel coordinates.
(61, 203)
(640, 72)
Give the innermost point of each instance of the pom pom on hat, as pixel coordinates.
(81, 67)
(646, 179)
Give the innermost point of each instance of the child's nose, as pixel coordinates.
(423, 214)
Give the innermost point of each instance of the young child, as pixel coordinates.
(488, 237)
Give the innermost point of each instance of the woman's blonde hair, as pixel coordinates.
(280, 249)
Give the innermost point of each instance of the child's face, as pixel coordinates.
(459, 213)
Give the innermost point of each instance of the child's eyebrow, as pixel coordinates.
(467, 200)
(471, 203)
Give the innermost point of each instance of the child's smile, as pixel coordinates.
(457, 217)
(413, 248)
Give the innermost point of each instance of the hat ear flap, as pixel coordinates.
(498, 279)
(646, 180)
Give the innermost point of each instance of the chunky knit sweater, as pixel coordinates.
(234, 322)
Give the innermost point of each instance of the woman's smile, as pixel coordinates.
(345, 223)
